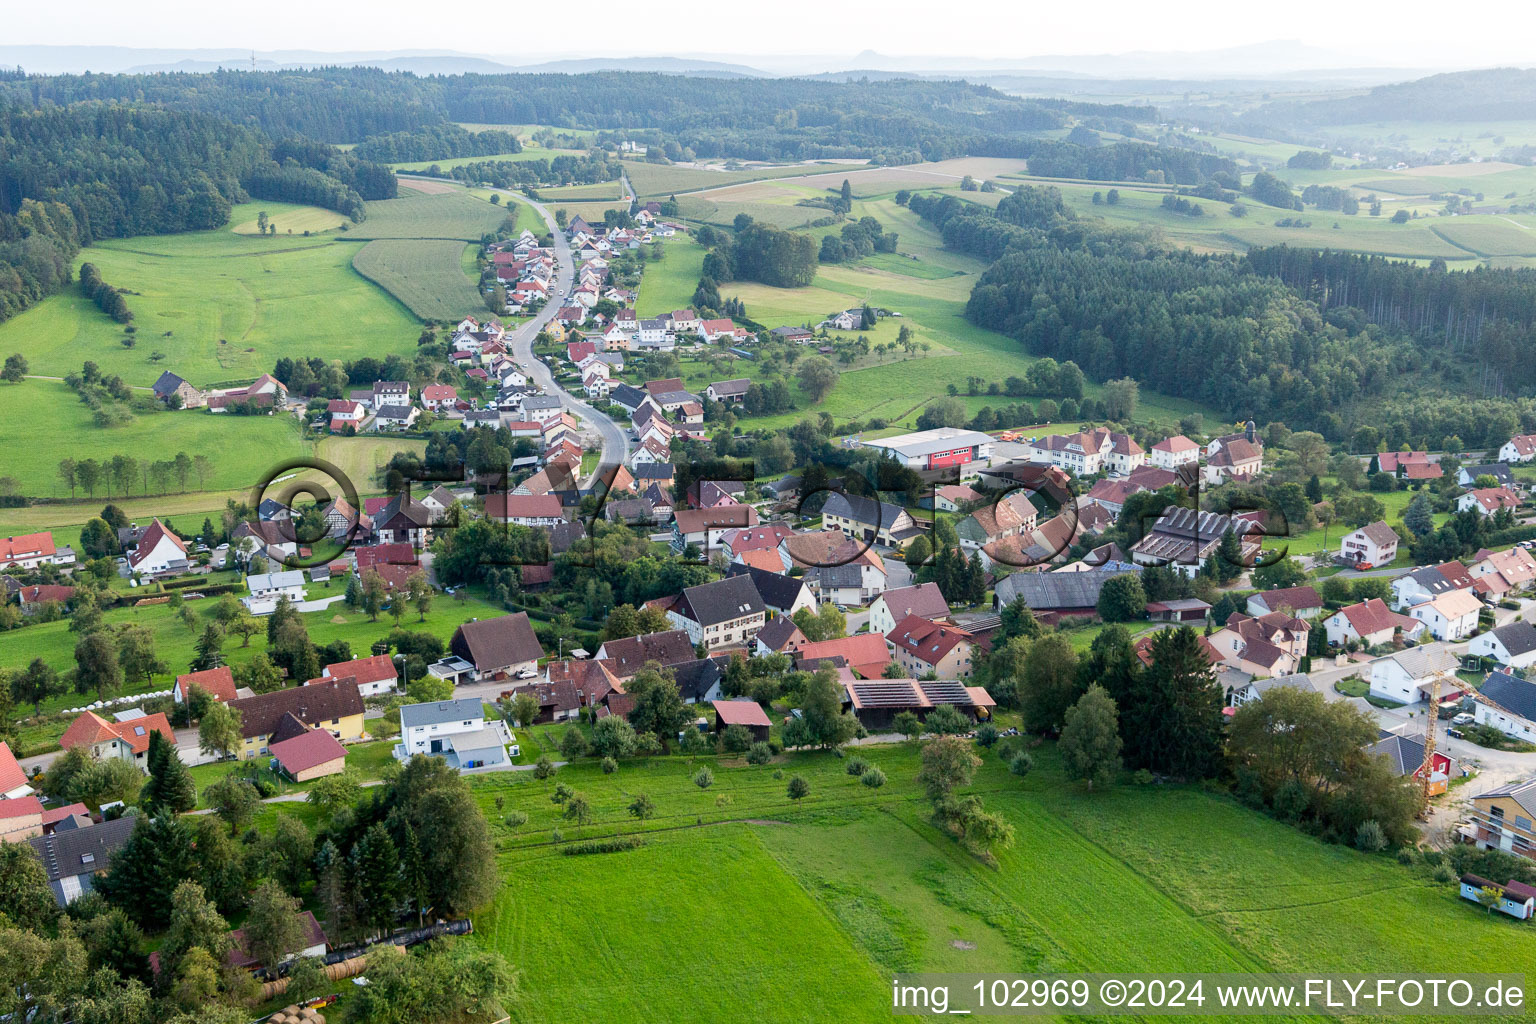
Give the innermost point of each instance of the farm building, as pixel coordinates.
(877, 702)
(746, 713)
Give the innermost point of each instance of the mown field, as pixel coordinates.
(652, 180)
(454, 214)
(289, 218)
(741, 899)
(219, 307)
(426, 275)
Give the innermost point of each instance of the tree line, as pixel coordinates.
(560, 170)
(759, 252)
(108, 299)
(436, 142)
(124, 472)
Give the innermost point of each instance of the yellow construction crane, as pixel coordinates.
(1428, 768)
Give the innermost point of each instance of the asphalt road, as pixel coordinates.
(615, 436)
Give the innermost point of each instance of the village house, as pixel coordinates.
(524, 509)
(375, 676)
(1183, 538)
(730, 391)
(499, 648)
(1405, 757)
(625, 656)
(267, 718)
(125, 740)
(949, 497)
(1502, 819)
(1499, 573)
(169, 384)
(1520, 448)
(454, 730)
(158, 551)
(924, 600)
(1008, 516)
(1271, 645)
(922, 646)
(1301, 602)
(1373, 545)
(869, 519)
(725, 613)
(1512, 645)
(866, 655)
(782, 594)
(1089, 452)
(1406, 676)
(1371, 623)
(439, 397)
(779, 636)
(1173, 452)
(74, 858)
(841, 569)
(1467, 476)
(1234, 456)
(30, 550)
(703, 527)
(403, 520)
(1488, 501)
(1429, 582)
(267, 588)
(1507, 703)
(1450, 616)
(394, 417)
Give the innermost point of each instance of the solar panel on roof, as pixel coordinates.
(946, 693)
(886, 694)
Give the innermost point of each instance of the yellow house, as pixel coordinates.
(330, 704)
(1502, 819)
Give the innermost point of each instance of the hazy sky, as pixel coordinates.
(1373, 31)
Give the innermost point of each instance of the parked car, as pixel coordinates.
(526, 673)
(1465, 718)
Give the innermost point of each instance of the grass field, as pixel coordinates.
(930, 291)
(605, 191)
(651, 180)
(287, 217)
(46, 422)
(854, 885)
(455, 214)
(221, 307)
(426, 275)
(670, 284)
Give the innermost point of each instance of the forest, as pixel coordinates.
(436, 142)
(69, 177)
(897, 121)
(1128, 161)
(562, 170)
(1232, 331)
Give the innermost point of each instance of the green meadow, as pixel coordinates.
(853, 885)
(427, 275)
(928, 284)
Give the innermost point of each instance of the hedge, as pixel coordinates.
(615, 845)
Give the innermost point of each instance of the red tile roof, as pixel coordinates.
(865, 653)
(310, 749)
(218, 683)
(741, 712)
(45, 592)
(91, 728)
(1374, 616)
(375, 669)
(926, 640)
(27, 545)
(11, 775)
